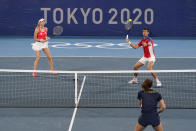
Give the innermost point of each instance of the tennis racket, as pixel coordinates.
(128, 27)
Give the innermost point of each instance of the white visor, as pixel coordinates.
(41, 20)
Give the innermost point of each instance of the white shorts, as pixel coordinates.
(143, 60)
(37, 46)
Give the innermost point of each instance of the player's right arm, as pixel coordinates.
(35, 35)
(163, 106)
(134, 46)
(139, 97)
(140, 103)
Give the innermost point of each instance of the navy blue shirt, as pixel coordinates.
(150, 100)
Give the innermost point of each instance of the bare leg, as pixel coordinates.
(149, 67)
(47, 52)
(139, 127)
(158, 128)
(136, 67)
(37, 59)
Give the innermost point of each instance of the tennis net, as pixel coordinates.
(18, 88)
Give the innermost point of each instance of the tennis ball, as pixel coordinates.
(130, 20)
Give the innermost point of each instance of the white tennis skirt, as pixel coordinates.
(37, 46)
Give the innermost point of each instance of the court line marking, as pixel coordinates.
(72, 119)
(76, 108)
(92, 56)
(81, 89)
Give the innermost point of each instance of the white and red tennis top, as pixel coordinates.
(148, 50)
(42, 34)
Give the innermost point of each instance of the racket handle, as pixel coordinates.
(127, 37)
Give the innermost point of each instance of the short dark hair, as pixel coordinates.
(146, 28)
(147, 84)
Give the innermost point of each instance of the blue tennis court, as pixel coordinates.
(93, 54)
(99, 46)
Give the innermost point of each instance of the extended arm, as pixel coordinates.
(134, 46)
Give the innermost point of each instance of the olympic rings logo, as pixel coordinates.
(99, 45)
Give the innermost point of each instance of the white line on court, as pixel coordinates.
(92, 56)
(76, 108)
(72, 119)
(81, 89)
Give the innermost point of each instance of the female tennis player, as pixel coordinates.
(149, 56)
(147, 101)
(40, 36)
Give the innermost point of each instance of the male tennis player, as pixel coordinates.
(40, 36)
(149, 56)
(147, 101)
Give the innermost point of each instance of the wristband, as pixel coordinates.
(130, 42)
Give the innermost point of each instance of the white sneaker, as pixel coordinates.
(159, 84)
(133, 81)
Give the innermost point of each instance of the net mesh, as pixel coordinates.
(18, 88)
